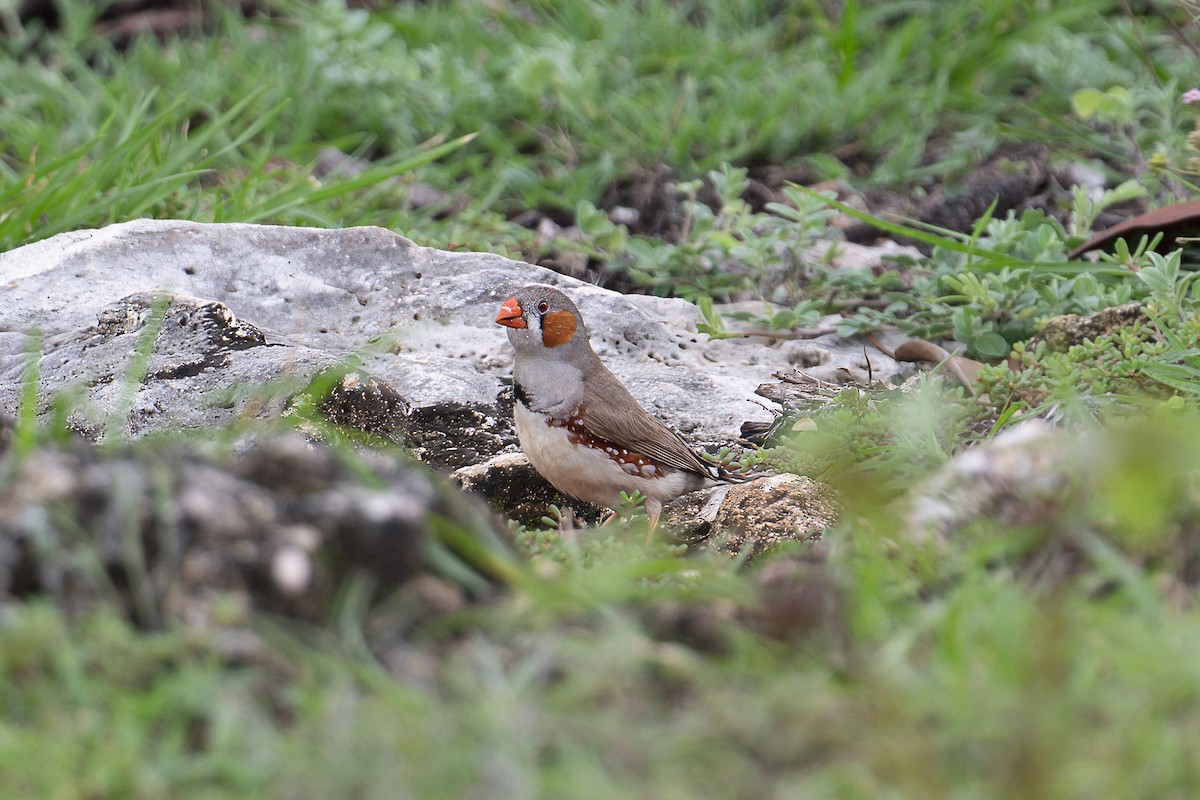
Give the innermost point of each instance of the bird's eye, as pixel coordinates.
(543, 307)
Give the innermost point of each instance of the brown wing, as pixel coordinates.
(611, 413)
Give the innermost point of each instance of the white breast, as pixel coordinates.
(555, 387)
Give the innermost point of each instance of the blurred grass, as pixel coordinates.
(561, 99)
(963, 676)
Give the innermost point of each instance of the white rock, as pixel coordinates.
(321, 295)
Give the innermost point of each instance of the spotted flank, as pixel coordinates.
(632, 463)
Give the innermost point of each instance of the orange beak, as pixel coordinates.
(510, 314)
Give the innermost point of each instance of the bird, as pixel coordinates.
(578, 424)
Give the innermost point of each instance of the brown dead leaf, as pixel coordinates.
(1174, 222)
(965, 370)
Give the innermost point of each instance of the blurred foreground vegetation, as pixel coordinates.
(1055, 658)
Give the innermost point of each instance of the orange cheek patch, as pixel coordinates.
(557, 328)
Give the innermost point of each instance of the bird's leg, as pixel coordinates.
(653, 511)
(608, 518)
(566, 523)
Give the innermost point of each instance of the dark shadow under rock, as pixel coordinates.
(453, 435)
(654, 200)
(513, 487)
(1014, 178)
(363, 402)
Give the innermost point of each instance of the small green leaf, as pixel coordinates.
(723, 240)
(1089, 103)
(1114, 105)
(991, 345)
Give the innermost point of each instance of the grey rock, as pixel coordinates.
(172, 534)
(755, 516)
(1030, 472)
(254, 314)
(841, 254)
(1065, 331)
(201, 366)
(418, 319)
(1070, 501)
